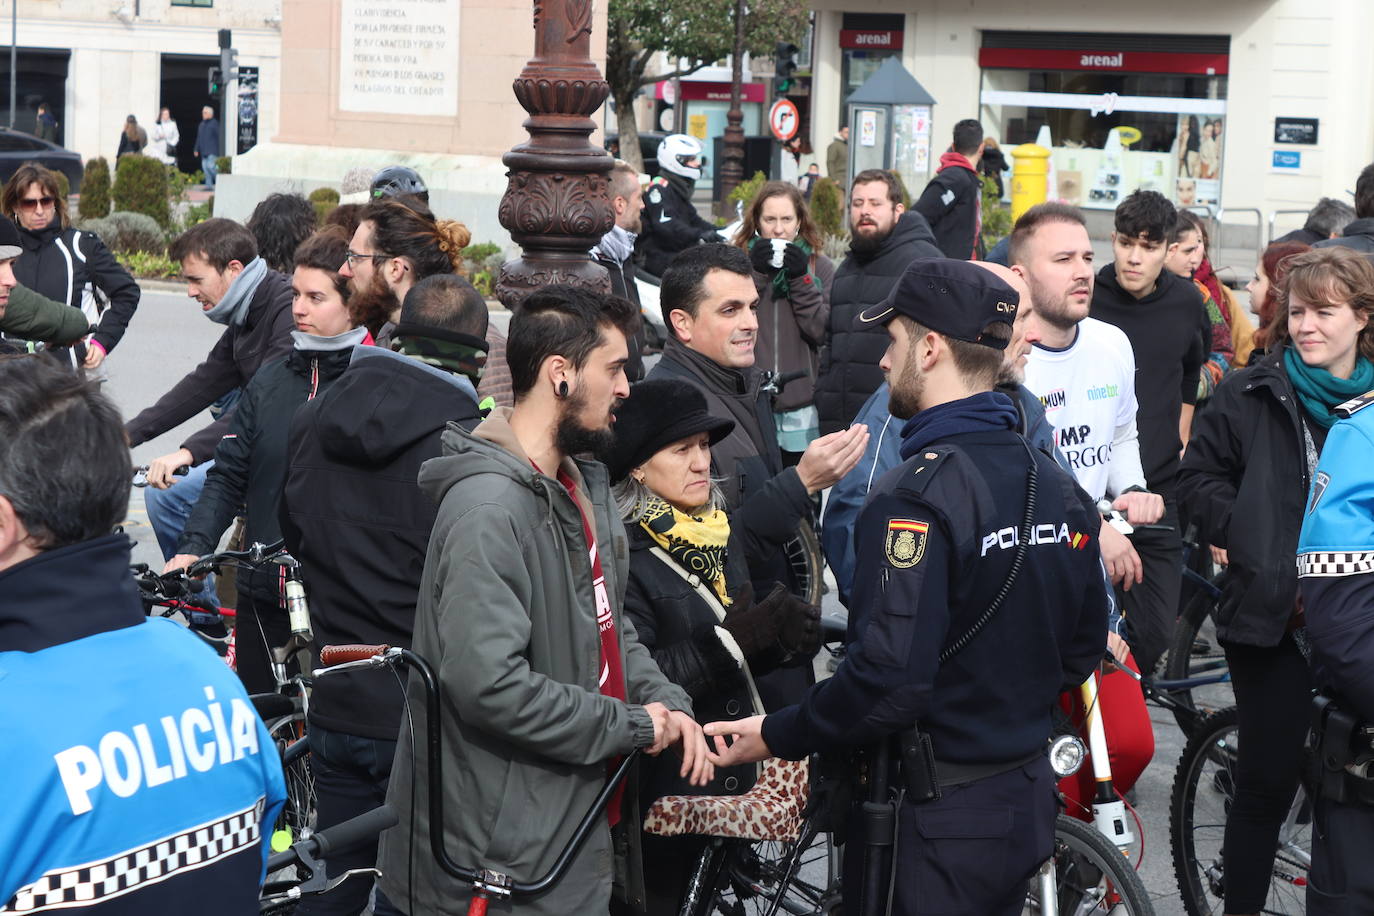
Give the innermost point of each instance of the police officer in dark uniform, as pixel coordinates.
(1336, 579)
(670, 222)
(977, 598)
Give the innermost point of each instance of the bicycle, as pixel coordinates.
(1185, 661)
(284, 712)
(1204, 787)
(762, 841)
(486, 884)
(770, 851)
(1187, 670)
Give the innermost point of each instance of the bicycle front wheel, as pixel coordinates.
(806, 562)
(1204, 787)
(1092, 876)
(297, 819)
(1183, 662)
(756, 879)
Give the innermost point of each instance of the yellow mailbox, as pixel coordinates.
(1029, 178)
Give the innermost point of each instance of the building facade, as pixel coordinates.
(95, 62)
(1233, 104)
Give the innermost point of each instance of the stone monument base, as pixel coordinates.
(465, 188)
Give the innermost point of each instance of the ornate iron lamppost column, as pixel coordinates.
(732, 149)
(556, 204)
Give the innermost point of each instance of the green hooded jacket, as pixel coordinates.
(33, 316)
(506, 615)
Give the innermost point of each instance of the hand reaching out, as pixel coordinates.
(745, 745)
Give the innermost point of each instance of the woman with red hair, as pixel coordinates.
(1264, 290)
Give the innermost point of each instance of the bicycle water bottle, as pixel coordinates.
(296, 607)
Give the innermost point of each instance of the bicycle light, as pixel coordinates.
(1067, 753)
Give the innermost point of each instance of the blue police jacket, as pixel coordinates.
(933, 544)
(1336, 559)
(138, 777)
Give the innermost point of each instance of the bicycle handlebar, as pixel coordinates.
(350, 833)
(485, 882)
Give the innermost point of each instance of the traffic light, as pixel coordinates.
(228, 60)
(216, 82)
(784, 65)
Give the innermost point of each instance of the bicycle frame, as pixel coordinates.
(1109, 811)
(485, 883)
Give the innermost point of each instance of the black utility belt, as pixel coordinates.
(958, 774)
(925, 778)
(1342, 766)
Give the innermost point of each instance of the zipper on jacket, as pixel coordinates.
(314, 378)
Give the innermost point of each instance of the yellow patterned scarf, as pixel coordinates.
(697, 544)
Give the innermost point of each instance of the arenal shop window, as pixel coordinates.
(1121, 112)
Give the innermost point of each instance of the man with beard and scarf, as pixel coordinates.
(396, 245)
(615, 252)
(235, 288)
(710, 301)
(884, 240)
(953, 200)
(520, 612)
(937, 544)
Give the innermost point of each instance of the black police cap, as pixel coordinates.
(958, 299)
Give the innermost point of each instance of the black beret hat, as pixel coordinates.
(957, 298)
(656, 414)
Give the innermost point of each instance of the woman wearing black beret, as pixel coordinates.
(689, 596)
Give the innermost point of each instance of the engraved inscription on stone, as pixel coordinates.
(399, 57)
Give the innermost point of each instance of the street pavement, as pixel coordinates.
(169, 336)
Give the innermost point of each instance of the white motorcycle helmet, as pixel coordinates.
(676, 151)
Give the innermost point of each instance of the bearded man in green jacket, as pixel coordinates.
(544, 684)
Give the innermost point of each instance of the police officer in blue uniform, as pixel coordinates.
(1336, 579)
(138, 778)
(977, 599)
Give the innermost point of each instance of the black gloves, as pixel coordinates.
(781, 620)
(710, 236)
(800, 633)
(795, 263)
(753, 626)
(761, 255)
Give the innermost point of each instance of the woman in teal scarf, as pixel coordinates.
(1244, 481)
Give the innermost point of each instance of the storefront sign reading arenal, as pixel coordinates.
(1089, 59)
(871, 39)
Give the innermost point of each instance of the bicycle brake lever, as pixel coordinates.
(352, 872)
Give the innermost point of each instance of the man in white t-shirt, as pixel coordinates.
(1083, 371)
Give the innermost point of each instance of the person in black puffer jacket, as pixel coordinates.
(885, 240)
(250, 462)
(689, 598)
(67, 264)
(352, 512)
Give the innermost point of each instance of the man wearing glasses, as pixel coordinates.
(397, 244)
